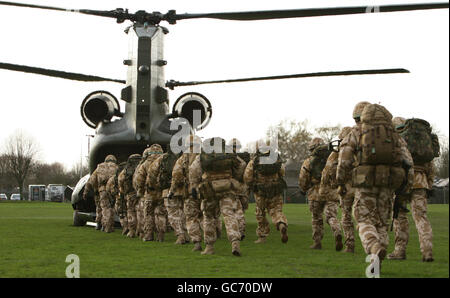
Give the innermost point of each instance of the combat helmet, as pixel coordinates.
(111, 158)
(314, 143)
(357, 111)
(235, 144)
(398, 123)
(344, 132)
(155, 148)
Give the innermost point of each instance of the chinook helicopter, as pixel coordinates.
(147, 117)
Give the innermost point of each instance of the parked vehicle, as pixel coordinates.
(36, 192)
(3, 197)
(15, 197)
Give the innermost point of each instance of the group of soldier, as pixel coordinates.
(371, 169)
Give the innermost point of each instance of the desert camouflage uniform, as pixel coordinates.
(112, 187)
(126, 189)
(272, 205)
(154, 211)
(100, 177)
(373, 205)
(319, 204)
(423, 182)
(180, 190)
(226, 201)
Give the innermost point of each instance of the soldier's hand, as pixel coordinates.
(342, 190)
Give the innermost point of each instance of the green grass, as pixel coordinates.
(36, 237)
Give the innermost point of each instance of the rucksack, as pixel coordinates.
(422, 144)
(217, 162)
(378, 138)
(267, 168)
(165, 170)
(318, 160)
(245, 156)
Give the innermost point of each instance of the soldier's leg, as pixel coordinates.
(149, 218)
(367, 217)
(107, 212)
(218, 222)
(401, 234)
(132, 202)
(140, 217)
(419, 213)
(241, 219)
(193, 220)
(228, 208)
(121, 211)
(316, 208)
(175, 216)
(160, 217)
(263, 229)
(210, 206)
(98, 212)
(275, 208)
(384, 208)
(347, 221)
(331, 215)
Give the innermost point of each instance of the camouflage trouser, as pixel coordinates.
(107, 212)
(98, 209)
(121, 210)
(275, 208)
(176, 215)
(227, 204)
(132, 204)
(193, 218)
(418, 199)
(372, 211)
(318, 208)
(347, 219)
(154, 214)
(140, 217)
(240, 213)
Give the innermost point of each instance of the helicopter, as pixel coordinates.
(147, 118)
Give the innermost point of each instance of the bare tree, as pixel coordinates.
(328, 133)
(293, 138)
(442, 162)
(20, 153)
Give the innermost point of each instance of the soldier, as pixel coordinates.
(216, 175)
(179, 190)
(126, 189)
(383, 164)
(160, 178)
(266, 180)
(112, 187)
(243, 194)
(99, 178)
(309, 182)
(423, 183)
(154, 211)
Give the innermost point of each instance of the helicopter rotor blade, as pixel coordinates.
(310, 12)
(172, 84)
(57, 73)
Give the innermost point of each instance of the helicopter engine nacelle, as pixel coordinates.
(99, 106)
(195, 108)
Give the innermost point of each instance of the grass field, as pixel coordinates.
(36, 237)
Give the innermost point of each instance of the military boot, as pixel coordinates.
(131, 234)
(236, 248)
(186, 237)
(149, 237)
(160, 237)
(428, 257)
(260, 240)
(283, 231)
(350, 247)
(197, 246)
(397, 255)
(125, 231)
(316, 245)
(338, 242)
(209, 250)
(180, 239)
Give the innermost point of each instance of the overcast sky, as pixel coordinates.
(49, 108)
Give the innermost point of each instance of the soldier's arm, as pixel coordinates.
(153, 172)
(177, 175)
(195, 174)
(121, 181)
(141, 176)
(304, 178)
(347, 151)
(431, 173)
(110, 186)
(238, 173)
(248, 173)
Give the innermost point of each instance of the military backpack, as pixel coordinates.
(165, 172)
(217, 162)
(422, 143)
(318, 160)
(267, 168)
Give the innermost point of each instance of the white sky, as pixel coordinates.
(49, 108)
